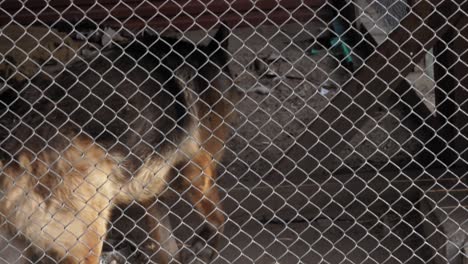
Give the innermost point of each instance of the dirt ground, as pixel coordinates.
(293, 88)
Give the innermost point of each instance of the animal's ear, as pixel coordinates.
(220, 39)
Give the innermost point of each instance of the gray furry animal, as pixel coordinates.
(387, 13)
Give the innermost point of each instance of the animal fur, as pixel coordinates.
(112, 131)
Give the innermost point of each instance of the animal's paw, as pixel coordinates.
(114, 257)
(198, 252)
(124, 257)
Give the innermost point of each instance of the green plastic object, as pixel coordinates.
(338, 45)
(314, 51)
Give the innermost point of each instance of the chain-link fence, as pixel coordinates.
(234, 131)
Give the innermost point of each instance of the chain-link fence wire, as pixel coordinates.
(275, 132)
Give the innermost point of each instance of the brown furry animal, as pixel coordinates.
(112, 131)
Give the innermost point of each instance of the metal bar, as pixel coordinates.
(454, 108)
(444, 95)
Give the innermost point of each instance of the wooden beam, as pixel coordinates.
(382, 70)
(159, 14)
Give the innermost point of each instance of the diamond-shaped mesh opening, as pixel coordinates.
(233, 132)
